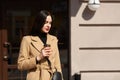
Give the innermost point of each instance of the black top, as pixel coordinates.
(43, 37)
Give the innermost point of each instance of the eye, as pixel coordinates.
(47, 22)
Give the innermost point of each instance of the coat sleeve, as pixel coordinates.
(25, 62)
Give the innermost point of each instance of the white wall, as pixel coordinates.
(95, 40)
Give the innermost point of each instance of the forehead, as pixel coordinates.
(48, 18)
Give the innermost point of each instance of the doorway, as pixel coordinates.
(10, 42)
(17, 21)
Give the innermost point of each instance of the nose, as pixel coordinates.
(49, 24)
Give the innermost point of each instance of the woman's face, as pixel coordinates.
(46, 27)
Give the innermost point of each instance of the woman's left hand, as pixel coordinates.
(46, 51)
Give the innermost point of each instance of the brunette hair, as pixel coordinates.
(39, 22)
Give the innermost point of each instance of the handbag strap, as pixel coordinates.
(49, 63)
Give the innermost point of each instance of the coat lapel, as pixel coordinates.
(36, 41)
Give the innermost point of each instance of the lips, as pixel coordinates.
(47, 29)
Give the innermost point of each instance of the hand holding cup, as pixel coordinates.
(46, 51)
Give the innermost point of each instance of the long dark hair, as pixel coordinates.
(39, 22)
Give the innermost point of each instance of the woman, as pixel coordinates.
(40, 61)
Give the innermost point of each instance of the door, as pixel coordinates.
(10, 43)
(9, 54)
(3, 56)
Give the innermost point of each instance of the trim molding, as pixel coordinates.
(99, 25)
(99, 48)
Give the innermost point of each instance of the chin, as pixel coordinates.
(46, 32)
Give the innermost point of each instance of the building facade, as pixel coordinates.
(95, 40)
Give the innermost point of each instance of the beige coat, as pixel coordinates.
(28, 53)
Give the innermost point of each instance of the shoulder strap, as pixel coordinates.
(49, 63)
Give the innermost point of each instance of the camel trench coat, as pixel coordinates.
(29, 49)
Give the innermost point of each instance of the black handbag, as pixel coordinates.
(56, 75)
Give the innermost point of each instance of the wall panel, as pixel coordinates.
(101, 76)
(95, 40)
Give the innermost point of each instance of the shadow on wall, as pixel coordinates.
(87, 13)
